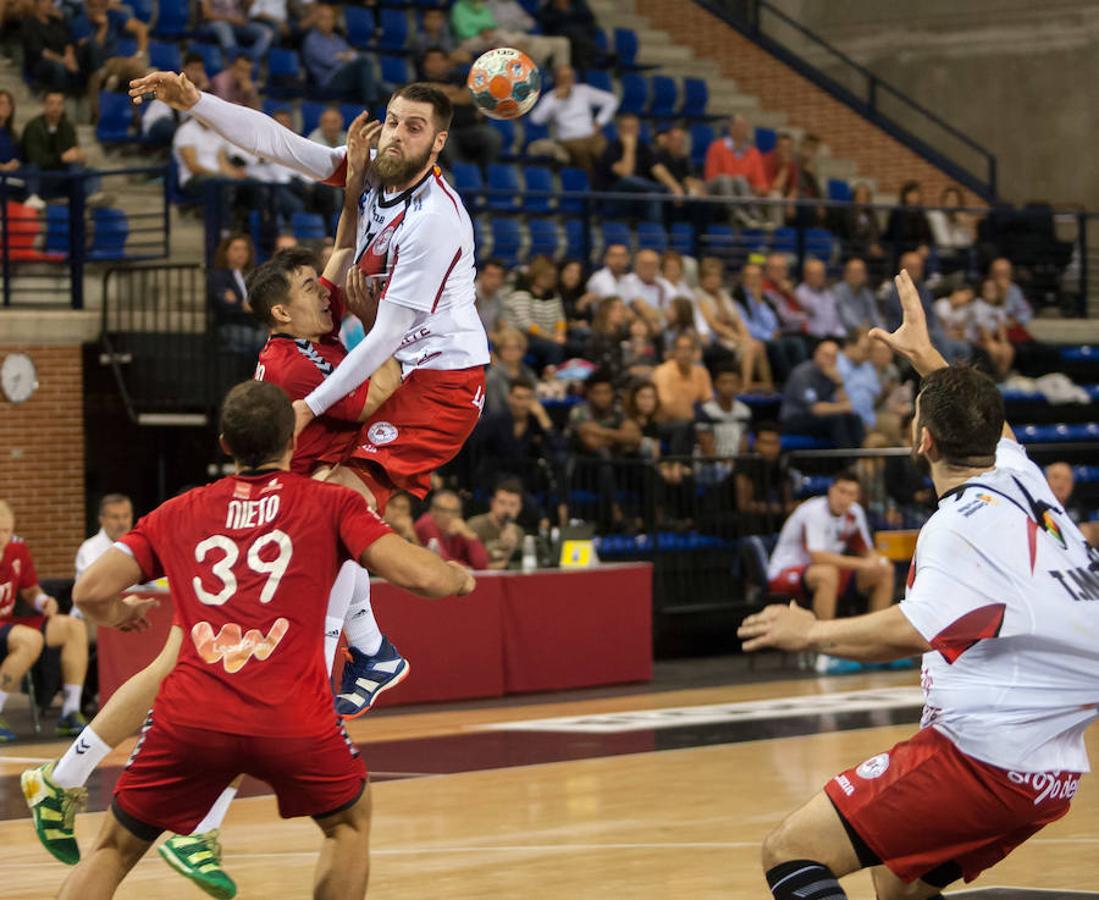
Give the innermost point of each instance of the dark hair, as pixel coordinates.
(421, 92)
(110, 500)
(768, 425)
(726, 368)
(257, 423)
(908, 187)
(963, 411)
(509, 485)
(493, 261)
(270, 283)
(191, 57)
(599, 376)
(221, 255)
(521, 382)
(631, 399)
(847, 475)
(10, 124)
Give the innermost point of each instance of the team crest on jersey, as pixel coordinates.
(874, 767)
(242, 490)
(273, 485)
(382, 433)
(381, 243)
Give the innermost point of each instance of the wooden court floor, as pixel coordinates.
(667, 824)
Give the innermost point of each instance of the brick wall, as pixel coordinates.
(779, 88)
(42, 458)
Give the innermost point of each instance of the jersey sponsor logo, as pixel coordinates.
(874, 767)
(1048, 785)
(382, 433)
(479, 399)
(232, 648)
(242, 490)
(250, 513)
(845, 784)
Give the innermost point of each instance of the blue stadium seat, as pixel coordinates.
(532, 133)
(839, 190)
(272, 105)
(285, 75)
(819, 243)
(599, 79)
(573, 181)
(1079, 353)
(173, 19)
(360, 25)
(308, 226)
(602, 45)
(502, 177)
(479, 239)
(785, 240)
(651, 236)
(814, 486)
(394, 25)
(310, 116)
(662, 97)
(717, 238)
(635, 94)
(211, 57)
(396, 70)
(701, 137)
(508, 133)
(1057, 434)
(57, 229)
(682, 238)
(574, 240)
(616, 233)
(765, 139)
(695, 97)
(538, 178)
(116, 118)
(110, 229)
(165, 56)
(125, 47)
(543, 238)
(804, 442)
(1081, 474)
(625, 47)
(468, 183)
(505, 240)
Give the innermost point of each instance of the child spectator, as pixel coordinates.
(990, 320)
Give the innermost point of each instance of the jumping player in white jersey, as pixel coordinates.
(415, 242)
(1002, 601)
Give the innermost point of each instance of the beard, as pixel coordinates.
(393, 170)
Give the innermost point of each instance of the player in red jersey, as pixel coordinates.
(22, 638)
(251, 559)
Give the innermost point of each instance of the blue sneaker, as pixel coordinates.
(367, 677)
(833, 665)
(6, 734)
(71, 725)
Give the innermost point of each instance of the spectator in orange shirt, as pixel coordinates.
(680, 383)
(443, 530)
(734, 168)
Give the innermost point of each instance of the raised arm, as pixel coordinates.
(97, 593)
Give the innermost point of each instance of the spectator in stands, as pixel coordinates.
(24, 643)
(990, 320)
(1062, 482)
(116, 517)
(52, 156)
(607, 281)
(855, 301)
(235, 83)
(953, 230)
(815, 403)
(778, 290)
(681, 382)
(764, 483)
(274, 16)
(598, 427)
(572, 19)
(285, 241)
(628, 165)
(159, 121)
(443, 530)
(578, 301)
(490, 297)
(673, 152)
(435, 32)
(576, 113)
(201, 154)
(535, 309)
(398, 516)
(478, 29)
(641, 349)
(734, 168)
(9, 137)
(507, 365)
(721, 316)
(330, 130)
(286, 190)
(646, 292)
(780, 167)
(856, 225)
(816, 298)
(50, 50)
(955, 314)
(722, 422)
(334, 64)
(860, 377)
(609, 331)
(237, 330)
(497, 529)
(908, 228)
(471, 139)
(672, 269)
(227, 23)
(953, 349)
(1014, 303)
(783, 352)
(809, 187)
(99, 32)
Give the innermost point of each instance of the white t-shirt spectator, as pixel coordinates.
(207, 143)
(988, 317)
(658, 294)
(157, 110)
(956, 319)
(948, 235)
(93, 548)
(604, 283)
(813, 527)
(728, 426)
(571, 117)
(269, 9)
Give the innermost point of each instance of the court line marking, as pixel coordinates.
(24, 760)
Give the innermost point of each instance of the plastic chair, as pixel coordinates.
(211, 57)
(635, 94)
(165, 56)
(502, 177)
(662, 97)
(573, 181)
(57, 230)
(468, 183)
(506, 240)
(682, 238)
(285, 76)
(361, 26)
(116, 118)
(110, 228)
(574, 239)
(626, 46)
(599, 79)
(508, 134)
(616, 233)
(396, 70)
(311, 116)
(701, 138)
(308, 226)
(173, 19)
(651, 236)
(765, 139)
(394, 25)
(538, 178)
(696, 95)
(543, 238)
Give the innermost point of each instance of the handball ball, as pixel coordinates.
(505, 83)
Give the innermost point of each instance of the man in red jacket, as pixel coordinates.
(443, 530)
(734, 168)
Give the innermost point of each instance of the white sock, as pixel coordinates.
(360, 626)
(71, 703)
(217, 812)
(338, 600)
(3, 699)
(83, 755)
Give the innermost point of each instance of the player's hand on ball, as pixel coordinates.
(303, 415)
(136, 609)
(175, 90)
(469, 582)
(782, 627)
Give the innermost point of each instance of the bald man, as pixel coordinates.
(816, 298)
(1062, 482)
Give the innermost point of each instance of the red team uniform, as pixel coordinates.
(16, 574)
(251, 560)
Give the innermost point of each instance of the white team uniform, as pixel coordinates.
(1006, 591)
(813, 527)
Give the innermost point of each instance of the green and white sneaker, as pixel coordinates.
(198, 857)
(54, 810)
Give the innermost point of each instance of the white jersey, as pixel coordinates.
(1006, 591)
(419, 245)
(814, 527)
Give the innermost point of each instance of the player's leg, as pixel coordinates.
(877, 584)
(823, 581)
(115, 852)
(197, 855)
(71, 636)
(343, 869)
(21, 647)
(889, 887)
(806, 855)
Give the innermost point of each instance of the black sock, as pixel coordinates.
(803, 879)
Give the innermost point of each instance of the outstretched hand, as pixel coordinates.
(782, 627)
(911, 339)
(135, 608)
(174, 89)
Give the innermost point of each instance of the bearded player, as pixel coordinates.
(1000, 601)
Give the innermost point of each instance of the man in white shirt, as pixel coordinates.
(201, 154)
(607, 282)
(159, 121)
(577, 113)
(722, 422)
(817, 299)
(1001, 602)
(116, 517)
(645, 290)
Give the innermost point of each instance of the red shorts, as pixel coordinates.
(925, 804)
(418, 429)
(176, 772)
(791, 581)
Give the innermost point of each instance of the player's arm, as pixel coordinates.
(98, 592)
(839, 560)
(416, 569)
(39, 599)
(875, 637)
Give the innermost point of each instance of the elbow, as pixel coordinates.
(90, 596)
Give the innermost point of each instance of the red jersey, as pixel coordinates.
(298, 366)
(16, 574)
(251, 560)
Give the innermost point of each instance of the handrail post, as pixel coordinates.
(77, 237)
(6, 239)
(1082, 237)
(167, 214)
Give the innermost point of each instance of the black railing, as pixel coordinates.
(939, 142)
